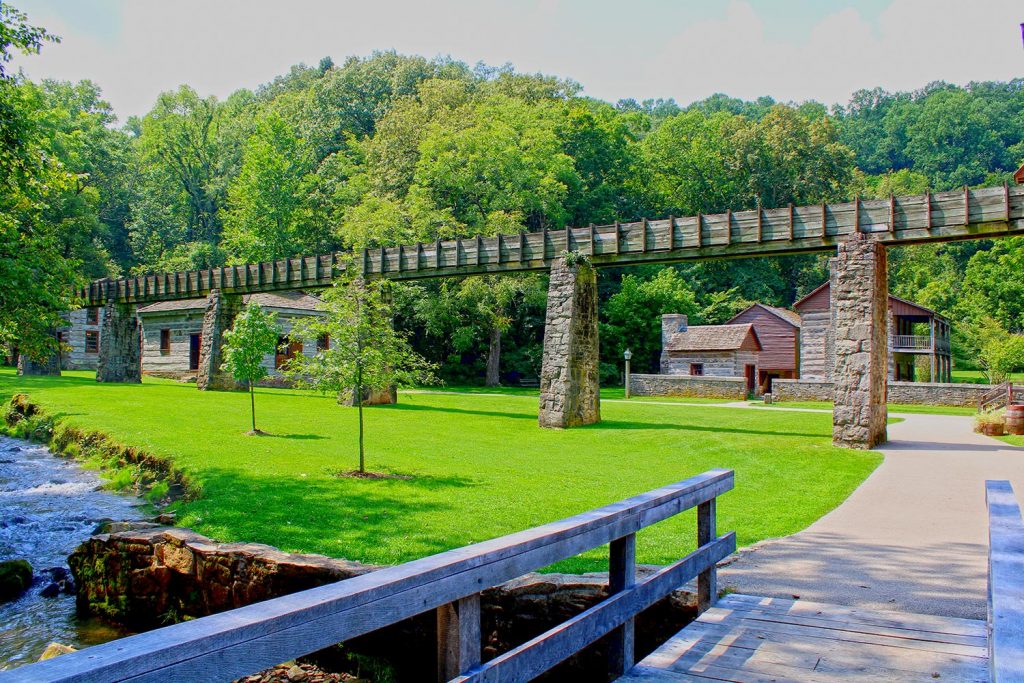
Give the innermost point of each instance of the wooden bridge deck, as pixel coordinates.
(750, 639)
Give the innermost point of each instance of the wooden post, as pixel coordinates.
(728, 227)
(700, 230)
(458, 637)
(643, 228)
(671, 233)
(621, 575)
(437, 254)
(591, 228)
(934, 358)
(617, 248)
(707, 580)
(928, 209)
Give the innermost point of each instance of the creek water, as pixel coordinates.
(48, 506)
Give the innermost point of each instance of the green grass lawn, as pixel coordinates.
(893, 408)
(608, 393)
(978, 377)
(479, 466)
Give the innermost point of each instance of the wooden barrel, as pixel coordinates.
(1015, 420)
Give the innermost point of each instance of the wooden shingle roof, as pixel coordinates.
(714, 338)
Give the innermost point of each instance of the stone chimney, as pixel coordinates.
(670, 324)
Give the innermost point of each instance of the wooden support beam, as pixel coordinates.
(419, 254)
(522, 246)
(479, 249)
(383, 259)
(791, 234)
(568, 238)
(366, 264)
(618, 247)
(928, 209)
(760, 222)
(671, 233)
(590, 230)
(437, 254)
(728, 227)
(892, 212)
(967, 205)
(401, 256)
(700, 230)
(500, 242)
(621, 575)
(458, 251)
(824, 220)
(643, 230)
(544, 245)
(1006, 201)
(856, 214)
(458, 637)
(707, 580)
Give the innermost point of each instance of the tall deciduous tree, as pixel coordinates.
(266, 217)
(254, 334)
(365, 351)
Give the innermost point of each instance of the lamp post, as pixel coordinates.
(627, 354)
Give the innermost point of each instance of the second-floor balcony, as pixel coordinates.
(918, 343)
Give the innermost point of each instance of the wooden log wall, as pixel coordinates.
(943, 216)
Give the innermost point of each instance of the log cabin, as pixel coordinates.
(709, 350)
(919, 340)
(778, 331)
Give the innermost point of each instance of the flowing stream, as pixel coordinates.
(48, 506)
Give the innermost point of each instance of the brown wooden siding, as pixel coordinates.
(779, 340)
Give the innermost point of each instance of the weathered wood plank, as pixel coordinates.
(458, 637)
(707, 582)
(1005, 583)
(621, 575)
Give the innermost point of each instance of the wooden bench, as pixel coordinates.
(243, 641)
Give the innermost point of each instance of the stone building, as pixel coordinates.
(709, 350)
(918, 339)
(80, 339)
(778, 331)
(172, 333)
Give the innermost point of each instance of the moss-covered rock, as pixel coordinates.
(15, 578)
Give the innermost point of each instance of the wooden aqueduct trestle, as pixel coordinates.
(858, 232)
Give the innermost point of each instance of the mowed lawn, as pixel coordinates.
(477, 466)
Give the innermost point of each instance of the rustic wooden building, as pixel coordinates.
(80, 339)
(914, 331)
(778, 331)
(709, 350)
(172, 332)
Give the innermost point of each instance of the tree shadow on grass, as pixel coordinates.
(510, 414)
(343, 518)
(633, 425)
(298, 437)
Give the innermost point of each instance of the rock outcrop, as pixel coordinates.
(15, 578)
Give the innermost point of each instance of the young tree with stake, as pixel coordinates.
(254, 335)
(364, 350)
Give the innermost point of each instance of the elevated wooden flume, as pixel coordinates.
(931, 217)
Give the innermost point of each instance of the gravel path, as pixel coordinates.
(912, 537)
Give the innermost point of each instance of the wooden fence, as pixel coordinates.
(249, 639)
(1005, 584)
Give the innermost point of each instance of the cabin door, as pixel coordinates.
(195, 342)
(751, 374)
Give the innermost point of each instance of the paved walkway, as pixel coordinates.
(912, 537)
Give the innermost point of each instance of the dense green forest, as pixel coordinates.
(392, 148)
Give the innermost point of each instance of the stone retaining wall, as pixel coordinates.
(687, 385)
(914, 393)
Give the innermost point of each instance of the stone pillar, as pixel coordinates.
(221, 310)
(569, 379)
(120, 345)
(860, 304)
(49, 366)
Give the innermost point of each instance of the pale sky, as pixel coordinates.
(686, 49)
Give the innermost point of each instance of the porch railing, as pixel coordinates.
(243, 641)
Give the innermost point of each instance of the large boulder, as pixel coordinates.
(15, 578)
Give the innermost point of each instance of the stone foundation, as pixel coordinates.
(686, 385)
(569, 378)
(860, 306)
(120, 358)
(221, 310)
(911, 393)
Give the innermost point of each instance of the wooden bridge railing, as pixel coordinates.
(1005, 584)
(1000, 396)
(246, 640)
